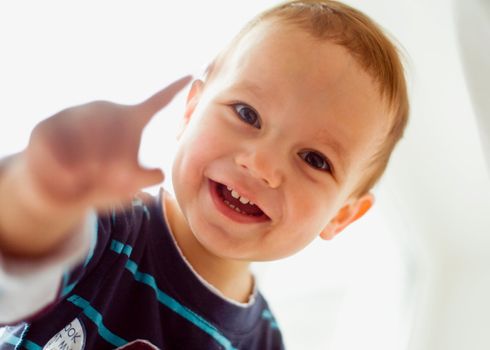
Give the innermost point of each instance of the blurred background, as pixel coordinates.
(413, 274)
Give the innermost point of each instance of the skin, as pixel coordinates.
(82, 157)
(308, 96)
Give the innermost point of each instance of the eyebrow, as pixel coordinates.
(251, 87)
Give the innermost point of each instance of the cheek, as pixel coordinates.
(200, 144)
(197, 138)
(194, 154)
(311, 209)
(306, 219)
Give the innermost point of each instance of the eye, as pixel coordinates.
(316, 160)
(247, 114)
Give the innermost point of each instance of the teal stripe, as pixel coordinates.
(167, 300)
(137, 202)
(31, 345)
(119, 248)
(178, 308)
(267, 315)
(147, 212)
(93, 243)
(67, 288)
(113, 216)
(96, 318)
(16, 341)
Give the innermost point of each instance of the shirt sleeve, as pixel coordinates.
(29, 286)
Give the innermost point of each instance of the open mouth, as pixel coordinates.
(236, 206)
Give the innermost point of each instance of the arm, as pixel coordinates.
(83, 157)
(30, 224)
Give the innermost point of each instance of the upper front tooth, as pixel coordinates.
(244, 200)
(236, 195)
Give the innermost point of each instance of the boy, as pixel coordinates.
(283, 139)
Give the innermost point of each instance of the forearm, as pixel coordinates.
(29, 285)
(30, 225)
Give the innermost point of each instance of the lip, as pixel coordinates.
(230, 213)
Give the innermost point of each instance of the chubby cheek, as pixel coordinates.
(198, 146)
(296, 234)
(310, 212)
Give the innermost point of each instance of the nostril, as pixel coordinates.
(260, 169)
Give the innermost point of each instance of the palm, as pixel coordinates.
(89, 154)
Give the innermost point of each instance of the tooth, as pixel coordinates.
(232, 206)
(228, 188)
(235, 194)
(252, 203)
(244, 200)
(238, 209)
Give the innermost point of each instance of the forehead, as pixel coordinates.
(286, 70)
(273, 49)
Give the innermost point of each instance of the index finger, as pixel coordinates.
(149, 107)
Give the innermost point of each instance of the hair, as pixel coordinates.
(366, 41)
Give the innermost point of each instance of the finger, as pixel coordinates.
(148, 177)
(148, 108)
(125, 183)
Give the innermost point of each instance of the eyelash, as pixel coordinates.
(305, 155)
(239, 107)
(325, 164)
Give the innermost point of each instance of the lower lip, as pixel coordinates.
(229, 212)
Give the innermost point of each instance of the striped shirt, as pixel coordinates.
(136, 291)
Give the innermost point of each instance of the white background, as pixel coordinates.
(410, 275)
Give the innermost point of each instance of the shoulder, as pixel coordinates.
(270, 329)
(123, 219)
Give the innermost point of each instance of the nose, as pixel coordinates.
(263, 165)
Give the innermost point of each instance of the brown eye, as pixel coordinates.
(316, 160)
(247, 114)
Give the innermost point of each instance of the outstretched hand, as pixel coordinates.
(88, 154)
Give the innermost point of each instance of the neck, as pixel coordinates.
(231, 277)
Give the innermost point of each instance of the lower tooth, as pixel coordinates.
(232, 206)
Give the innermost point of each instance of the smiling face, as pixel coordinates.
(274, 144)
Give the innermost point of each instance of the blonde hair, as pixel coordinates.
(367, 43)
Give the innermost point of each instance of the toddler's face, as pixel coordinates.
(287, 123)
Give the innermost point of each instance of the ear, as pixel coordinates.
(349, 213)
(192, 99)
(191, 103)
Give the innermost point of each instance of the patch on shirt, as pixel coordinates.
(72, 337)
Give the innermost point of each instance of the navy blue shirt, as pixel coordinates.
(135, 285)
